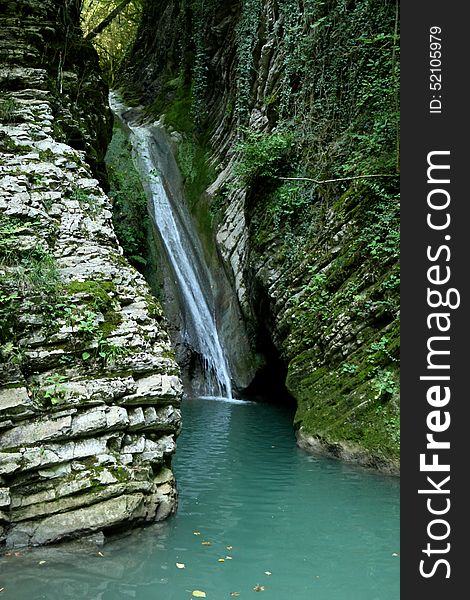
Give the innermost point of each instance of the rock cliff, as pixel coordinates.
(288, 114)
(89, 388)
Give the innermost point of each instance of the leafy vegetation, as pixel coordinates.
(130, 216)
(113, 42)
(8, 107)
(264, 155)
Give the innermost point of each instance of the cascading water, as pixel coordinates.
(200, 323)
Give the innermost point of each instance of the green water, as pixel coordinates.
(323, 529)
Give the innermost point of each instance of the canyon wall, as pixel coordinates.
(89, 390)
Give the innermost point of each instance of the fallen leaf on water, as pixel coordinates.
(180, 565)
(259, 588)
(42, 562)
(196, 533)
(267, 573)
(199, 594)
(234, 593)
(221, 560)
(205, 543)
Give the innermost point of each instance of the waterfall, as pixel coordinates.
(200, 323)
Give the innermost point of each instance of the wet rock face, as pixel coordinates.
(89, 391)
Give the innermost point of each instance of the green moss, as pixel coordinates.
(193, 161)
(154, 308)
(98, 295)
(130, 216)
(353, 407)
(9, 146)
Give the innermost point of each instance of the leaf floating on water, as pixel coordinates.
(205, 543)
(196, 533)
(199, 594)
(180, 565)
(267, 573)
(259, 588)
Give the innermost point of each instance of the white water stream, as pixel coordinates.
(201, 330)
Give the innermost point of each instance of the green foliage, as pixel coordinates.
(315, 298)
(246, 41)
(193, 161)
(26, 270)
(130, 216)
(379, 352)
(201, 10)
(381, 233)
(10, 229)
(27, 267)
(8, 106)
(385, 384)
(291, 205)
(107, 352)
(55, 392)
(347, 103)
(264, 155)
(113, 42)
(9, 305)
(86, 198)
(338, 89)
(176, 102)
(9, 146)
(89, 310)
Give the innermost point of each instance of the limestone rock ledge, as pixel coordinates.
(90, 391)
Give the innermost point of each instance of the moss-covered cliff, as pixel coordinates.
(294, 103)
(89, 391)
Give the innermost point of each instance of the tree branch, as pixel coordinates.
(334, 180)
(112, 15)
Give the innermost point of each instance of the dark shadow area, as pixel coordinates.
(269, 383)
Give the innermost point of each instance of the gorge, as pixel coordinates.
(263, 141)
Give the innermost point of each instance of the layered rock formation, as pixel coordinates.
(89, 388)
(297, 104)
